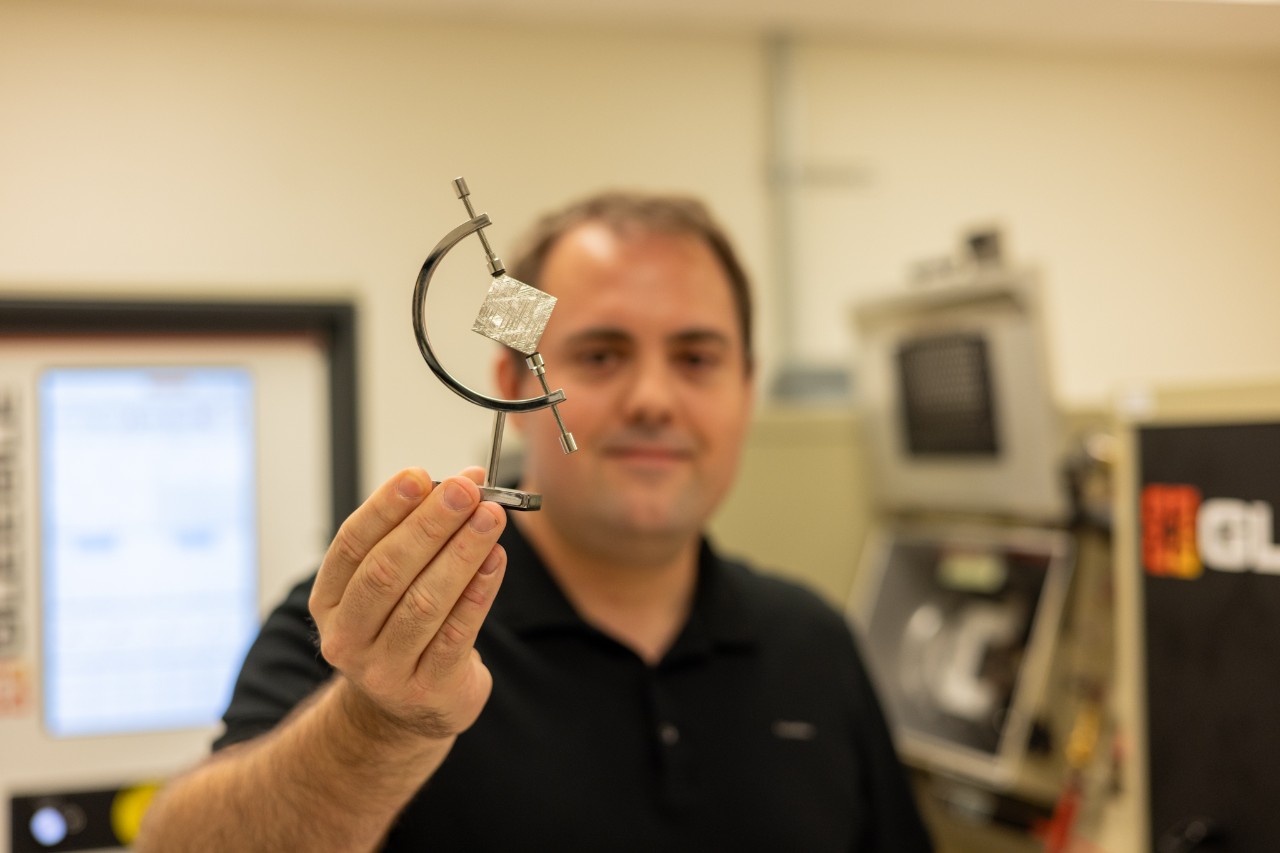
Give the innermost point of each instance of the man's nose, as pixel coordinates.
(651, 395)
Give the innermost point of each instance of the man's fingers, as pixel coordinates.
(385, 509)
(433, 594)
(384, 584)
(452, 644)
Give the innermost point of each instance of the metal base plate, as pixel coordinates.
(510, 498)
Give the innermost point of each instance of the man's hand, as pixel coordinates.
(400, 598)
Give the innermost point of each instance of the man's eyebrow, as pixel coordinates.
(610, 335)
(701, 336)
(599, 336)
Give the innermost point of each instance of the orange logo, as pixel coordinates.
(15, 688)
(1169, 530)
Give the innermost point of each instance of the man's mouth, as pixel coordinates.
(649, 454)
(655, 452)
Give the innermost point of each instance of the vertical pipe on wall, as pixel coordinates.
(794, 379)
(782, 152)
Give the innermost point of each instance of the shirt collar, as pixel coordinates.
(530, 602)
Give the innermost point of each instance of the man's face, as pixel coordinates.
(646, 345)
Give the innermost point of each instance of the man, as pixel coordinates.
(629, 689)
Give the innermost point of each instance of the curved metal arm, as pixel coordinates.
(442, 248)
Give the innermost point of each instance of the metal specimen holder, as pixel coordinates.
(513, 314)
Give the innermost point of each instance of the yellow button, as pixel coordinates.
(128, 807)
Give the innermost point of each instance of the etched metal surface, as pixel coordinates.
(514, 314)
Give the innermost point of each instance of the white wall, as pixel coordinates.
(183, 154)
(1146, 188)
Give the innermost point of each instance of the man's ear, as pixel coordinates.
(507, 373)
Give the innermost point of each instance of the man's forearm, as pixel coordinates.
(333, 776)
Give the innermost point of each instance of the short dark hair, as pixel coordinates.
(629, 212)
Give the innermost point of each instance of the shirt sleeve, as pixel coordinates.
(283, 667)
(898, 826)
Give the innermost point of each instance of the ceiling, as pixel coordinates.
(1244, 28)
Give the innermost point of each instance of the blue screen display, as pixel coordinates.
(148, 534)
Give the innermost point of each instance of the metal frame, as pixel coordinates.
(333, 322)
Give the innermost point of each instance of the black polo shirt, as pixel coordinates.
(758, 730)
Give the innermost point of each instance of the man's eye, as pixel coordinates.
(598, 358)
(698, 360)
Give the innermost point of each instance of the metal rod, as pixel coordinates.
(536, 364)
(495, 263)
(491, 475)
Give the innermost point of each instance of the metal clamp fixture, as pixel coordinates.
(513, 314)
